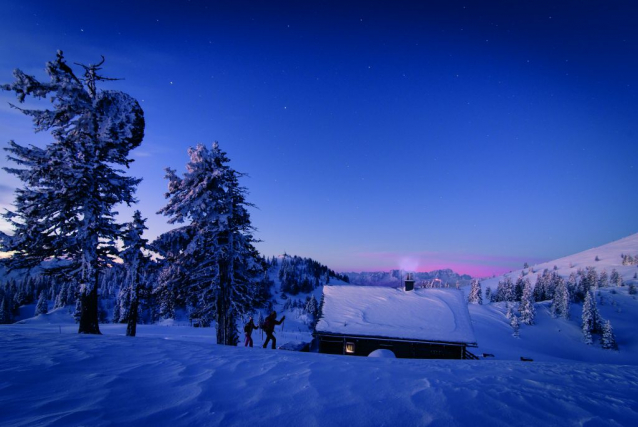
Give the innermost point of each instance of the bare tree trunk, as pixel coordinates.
(131, 326)
(89, 312)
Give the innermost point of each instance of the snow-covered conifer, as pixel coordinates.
(312, 307)
(475, 296)
(5, 311)
(603, 280)
(505, 290)
(135, 262)
(527, 310)
(488, 294)
(592, 279)
(514, 324)
(43, 305)
(561, 301)
(615, 279)
(587, 337)
(518, 288)
(608, 339)
(591, 317)
(65, 209)
(116, 310)
(212, 255)
(539, 288)
(60, 299)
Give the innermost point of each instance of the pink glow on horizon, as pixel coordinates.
(476, 265)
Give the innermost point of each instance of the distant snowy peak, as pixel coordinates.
(394, 277)
(621, 255)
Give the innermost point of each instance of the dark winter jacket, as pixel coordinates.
(270, 322)
(250, 327)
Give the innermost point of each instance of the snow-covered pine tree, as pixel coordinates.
(60, 299)
(135, 262)
(488, 294)
(116, 309)
(5, 311)
(603, 280)
(42, 306)
(212, 256)
(514, 324)
(615, 279)
(518, 288)
(475, 296)
(592, 279)
(65, 209)
(527, 310)
(591, 318)
(608, 339)
(312, 307)
(560, 301)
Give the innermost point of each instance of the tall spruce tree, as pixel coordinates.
(5, 311)
(71, 186)
(608, 339)
(560, 301)
(527, 310)
(135, 262)
(475, 296)
(211, 258)
(42, 307)
(591, 319)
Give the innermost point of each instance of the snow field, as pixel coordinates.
(48, 378)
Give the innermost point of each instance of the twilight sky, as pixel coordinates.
(462, 134)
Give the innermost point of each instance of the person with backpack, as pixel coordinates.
(269, 328)
(248, 330)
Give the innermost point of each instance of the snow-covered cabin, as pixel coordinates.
(421, 323)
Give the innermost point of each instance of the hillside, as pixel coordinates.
(555, 338)
(393, 278)
(609, 258)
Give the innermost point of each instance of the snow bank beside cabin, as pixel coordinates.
(422, 314)
(51, 379)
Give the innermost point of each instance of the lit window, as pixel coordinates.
(349, 348)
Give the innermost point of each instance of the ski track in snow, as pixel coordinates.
(48, 378)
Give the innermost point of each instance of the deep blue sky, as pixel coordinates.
(474, 135)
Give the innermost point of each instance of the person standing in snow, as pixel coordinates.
(269, 328)
(248, 330)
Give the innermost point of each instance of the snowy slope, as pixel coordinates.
(609, 256)
(551, 339)
(166, 378)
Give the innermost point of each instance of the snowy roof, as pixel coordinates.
(422, 314)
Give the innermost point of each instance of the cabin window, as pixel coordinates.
(349, 348)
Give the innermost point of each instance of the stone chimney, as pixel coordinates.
(409, 282)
